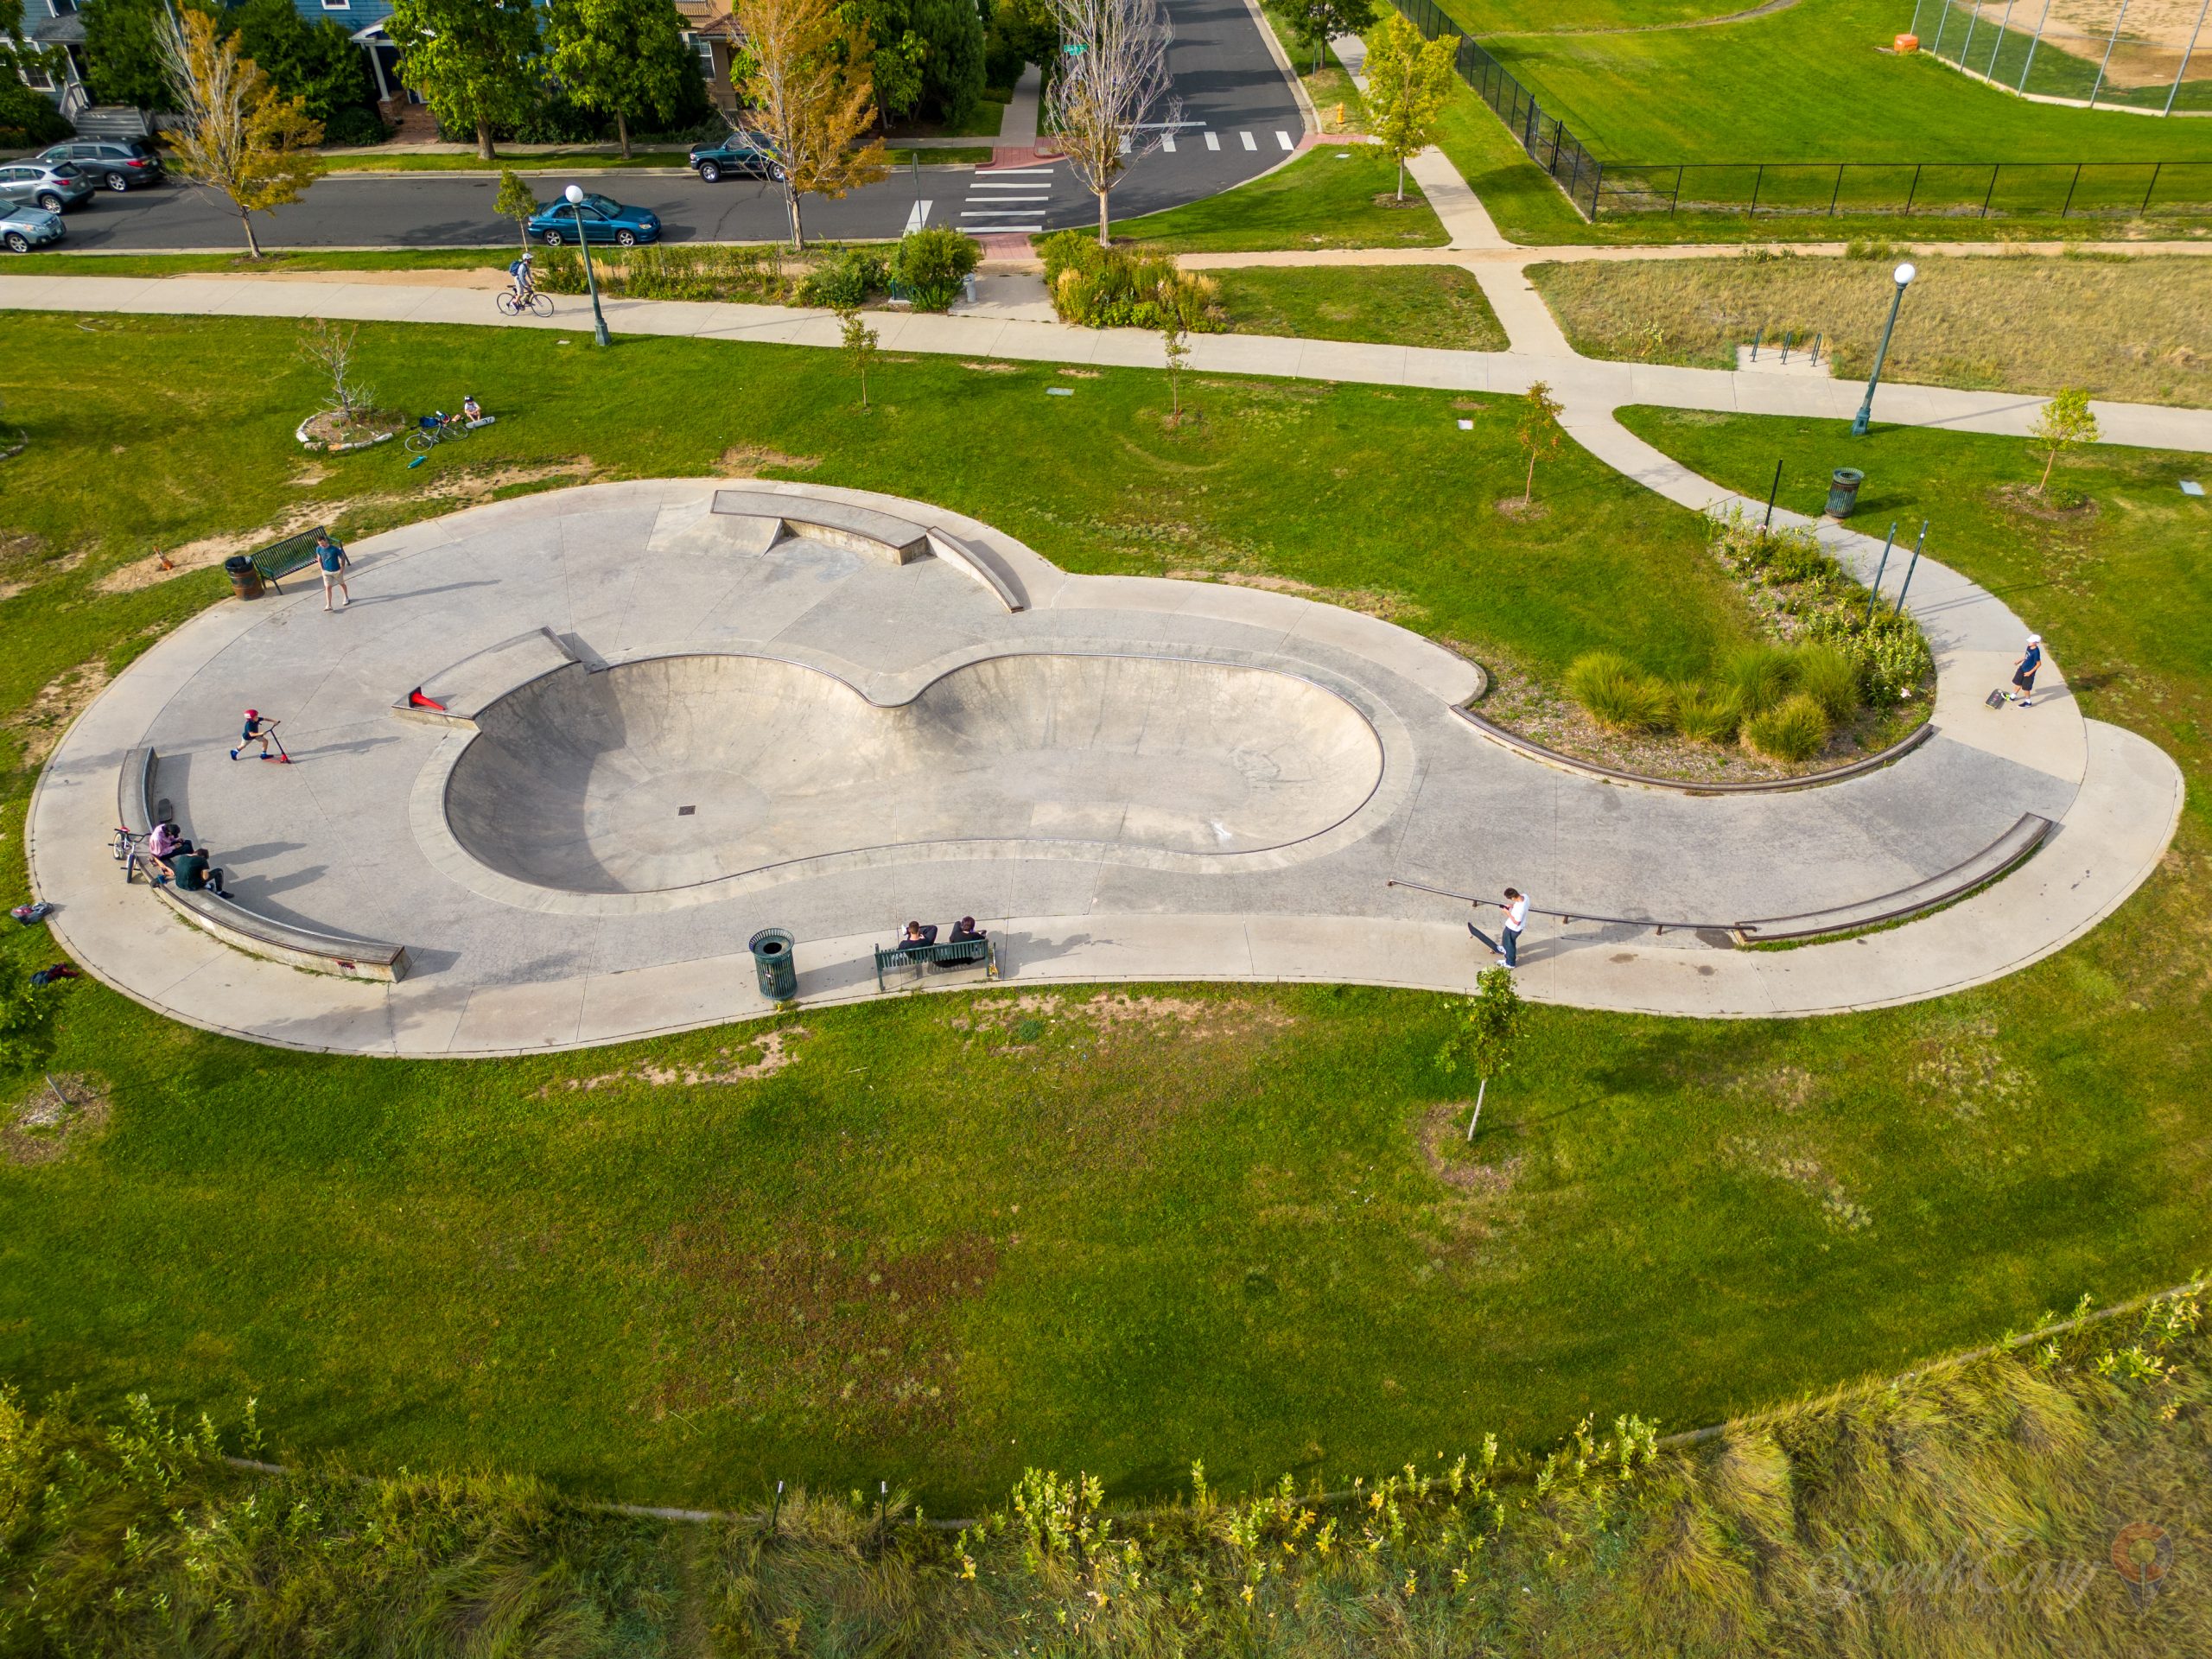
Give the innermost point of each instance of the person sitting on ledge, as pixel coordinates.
(190, 873)
(917, 934)
(166, 842)
(964, 932)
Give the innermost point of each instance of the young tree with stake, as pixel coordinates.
(1178, 301)
(238, 136)
(517, 202)
(814, 99)
(1539, 430)
(329, 348)
(2065, 423)
(1494, 1019)
(860, 341)
(624, 58)
(1109, 105)
(474, 61)
(1407, 81)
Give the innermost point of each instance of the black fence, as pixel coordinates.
(1917, 189)
(1546, 138)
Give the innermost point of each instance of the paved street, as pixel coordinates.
(1239, 115)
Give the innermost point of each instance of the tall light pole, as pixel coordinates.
(574, 194)
(1904, 275)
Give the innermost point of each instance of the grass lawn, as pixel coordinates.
(1807, 83)
(936, 1240)
(178, 264)
(1392, 305)
(1335, 100)
(1325, 198)
(2135, 329)
(376, 161)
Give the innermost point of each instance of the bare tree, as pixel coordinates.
(241, 136)
(1110, 104)
(325, 346)
(813, 93)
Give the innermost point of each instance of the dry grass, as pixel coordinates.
(2137, 329)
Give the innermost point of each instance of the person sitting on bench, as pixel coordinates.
(190, 873)
(964, 932)
(916, 934)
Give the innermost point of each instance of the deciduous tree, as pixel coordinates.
(813, 98)
(1110, 103)
(623, 58)
(329, 348)
(860, 341)
(317, 63)
(1407, 81)
(1539, 431)
(123, 53)
(1493, 1022)
(474, 62)
(2066, 423)
(239, 135)
(517, 202)
(1313, 24)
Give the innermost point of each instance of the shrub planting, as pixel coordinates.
(1829, 677)
(1708, 714)
(933, 264)
(682, 271)
(1618, 694)
(1793, 729)
(1759, 677)
(847, 280)
(1119, 287)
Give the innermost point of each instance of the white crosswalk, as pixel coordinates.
(1250, 141)
(1007, 200)
(1213, 141)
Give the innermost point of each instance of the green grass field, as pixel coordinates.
(1395, 305)
(936, 1240)
(1325, 198)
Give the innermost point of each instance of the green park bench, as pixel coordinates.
(953, 953)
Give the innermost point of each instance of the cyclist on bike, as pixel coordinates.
(525, 283)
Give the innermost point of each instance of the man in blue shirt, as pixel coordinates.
(2024, 677)
(331, 557)
(525, 277)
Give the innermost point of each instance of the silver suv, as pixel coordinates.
(53, 186)
(118, 164)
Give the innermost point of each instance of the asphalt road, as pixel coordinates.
(1230, 91)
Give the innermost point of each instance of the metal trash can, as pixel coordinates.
(245, 578)
(773, 963)
(1843, 491)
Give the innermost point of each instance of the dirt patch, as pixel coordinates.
(461, 486)
(40, 722)
(1390, 198)
(1512, 506)
(856, 1337)
(332, 428)
(993, 368)
(485, 277)
(1838, 1209)
(772, 1052)
(1443, 1146)
(310, 474)
(1117, 1013)
(2055, 509)
(1079, 374)
(746, 459)
(54, 1119)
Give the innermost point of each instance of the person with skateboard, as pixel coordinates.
(2024, 677)
(1507, 946)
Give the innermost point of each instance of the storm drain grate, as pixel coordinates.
(685, 811)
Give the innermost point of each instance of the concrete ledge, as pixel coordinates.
(475, 683)
(234, 925)
(983, 565)
(857, 529)
(1523, 746)
(1984, 867)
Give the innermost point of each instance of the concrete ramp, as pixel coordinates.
(679, 770)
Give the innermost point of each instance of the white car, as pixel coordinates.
(23, 227)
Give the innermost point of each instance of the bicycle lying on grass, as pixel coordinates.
(434, 429)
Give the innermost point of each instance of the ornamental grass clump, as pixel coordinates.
(1618, 694)
(1708, 714)
(1829, 677)
(1759, 675)
(1120, 287)
(1794, 729)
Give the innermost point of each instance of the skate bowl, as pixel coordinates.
(677, 771)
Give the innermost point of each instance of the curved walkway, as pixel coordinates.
(355, 839)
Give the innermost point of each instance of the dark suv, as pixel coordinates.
(741, 156)
(118, 164)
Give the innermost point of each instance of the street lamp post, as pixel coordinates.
(575, 196)
(1865, 418)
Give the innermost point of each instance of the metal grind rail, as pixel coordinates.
(1730, 928)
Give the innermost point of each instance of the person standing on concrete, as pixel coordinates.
(2024, 677)
(1507, 947)
(332, 558)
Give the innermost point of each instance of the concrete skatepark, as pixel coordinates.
(876, 708)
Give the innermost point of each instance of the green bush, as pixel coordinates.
(1711, 713)
(1618, 694)
(1759, 676)
(1119, 287)
(1830, 678)
(683, 271)
(932, 264)
(849, 279)
(355, 125)
(1793, 729)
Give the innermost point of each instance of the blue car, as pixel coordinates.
(23, 227)
(604, 220)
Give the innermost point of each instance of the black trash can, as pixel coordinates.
(771, 961)
(1843, 491)
(245, 578)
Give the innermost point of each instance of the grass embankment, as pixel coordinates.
(596, 160)
(1335, 100)
(2027, 1502)
(2136, 330)
(1327, 198)
(936, 1241)
(184, 264)
(1392, 305)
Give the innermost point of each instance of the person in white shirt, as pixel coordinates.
(1507, 947)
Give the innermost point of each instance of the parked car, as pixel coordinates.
(604, 220)
(51, 185)
(742, 156)
(22, 228)
(118, 164)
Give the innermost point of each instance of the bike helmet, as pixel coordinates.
(253, 714)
